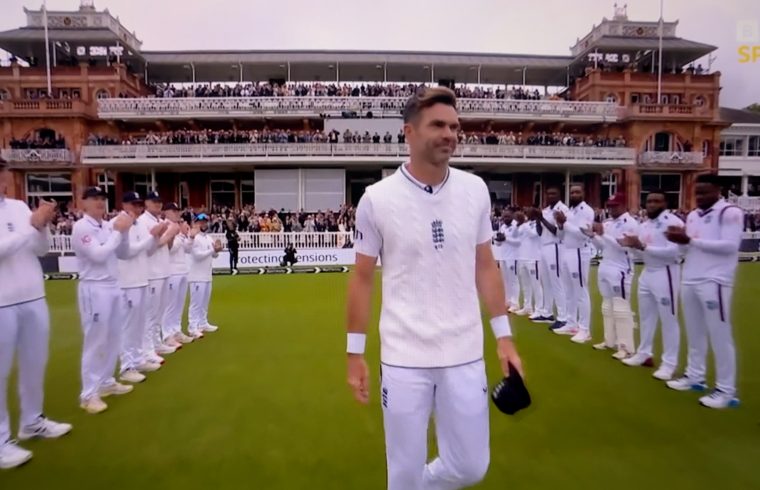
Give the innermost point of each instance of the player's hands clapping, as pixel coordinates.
(122, 222)
(184, 228)
(631, 241)
(677, 234)
(560, 217)
(159, 229)
(44, 214)
(218, 246)
(358, 377)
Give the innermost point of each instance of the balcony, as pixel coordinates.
(672, 159)
(37, 158)
(670, 111)
(45, 108)
(325, 153)
(284, 107)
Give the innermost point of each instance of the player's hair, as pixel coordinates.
(426, 98)
(657, 191)
(553, 186)
(709, 179)
(583, 187)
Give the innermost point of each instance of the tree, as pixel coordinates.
(753, 107)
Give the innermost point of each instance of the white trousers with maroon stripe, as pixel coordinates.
(511, 282)
(575, 267)
(707, 314)
(457, 397)
(530, 283)
(658, 300)
(551, 281)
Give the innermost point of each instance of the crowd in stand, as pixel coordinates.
(38, 143)
(336, 90)
(207, 136)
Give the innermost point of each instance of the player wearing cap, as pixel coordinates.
(614, 279)
(430, 224)
(528, 256)
(24, 320)
(712, 238)
(98, 244)
(507, 244)
(133, 280)
(550, 264)
(156, 343)
(658, 286)
(202, 253)
(179, 247)
(576, 261)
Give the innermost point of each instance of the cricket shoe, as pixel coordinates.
(663, 373)
(602, 346)
(148, 367)
(581, 337)
(621, 354)
(639, 360)
(12, 455)
(557, 325)
(173, 343)
(514, 309)
(196, 335)
(544, 319)
(524, 312)
(132, 376)
(566, 330)
(718, 400)
(114, 389)
(209, 328)
(164, 349)
(44, 428)
(685, 384)
(182, 338)
(93, 405)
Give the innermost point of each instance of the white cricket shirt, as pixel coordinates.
(96, 245)
(158, 257)
(201, 257)
(713, 253)
(530, 242)
(133, 270)
(579, 218)
(547, 237)
(613, 254)
(178, 261)
(21, 277)
(430, 315)
(659, 252)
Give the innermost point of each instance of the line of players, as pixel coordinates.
(546, 255)
(134, 275)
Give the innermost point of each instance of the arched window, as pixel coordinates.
(611, 98)
(5, 94)
(102, 94)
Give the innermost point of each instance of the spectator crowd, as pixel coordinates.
(38, 143)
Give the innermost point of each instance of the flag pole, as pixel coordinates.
(47, 49)
(659, 62)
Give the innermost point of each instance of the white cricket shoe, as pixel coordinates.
(664, 373)
(44, 428)
(164, 349)
(621, 354)
(209, 328)
(685, 384)
(581, 337)
(132, 376)
(602, 346)
(12, 455)
(172, 342)
(155, 358)
(182, 338)
(638, 359)
(524, 312)
(718, 399)
(566, 330)
(148, 367)
(93, 405)
(114, 389)
(196, 334)
(514, 309)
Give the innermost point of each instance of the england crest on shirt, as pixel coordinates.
(437, 230)
(11, 228)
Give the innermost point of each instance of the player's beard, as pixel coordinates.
(655, 214)
(439, 152)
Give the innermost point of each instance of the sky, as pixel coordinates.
(493, 26)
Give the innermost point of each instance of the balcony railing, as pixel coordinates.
(44, 107)
(153, 153)
(677, 159)
(61, 244)
(379, 106)
(37, 157)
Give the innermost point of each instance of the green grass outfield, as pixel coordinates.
(263, 404)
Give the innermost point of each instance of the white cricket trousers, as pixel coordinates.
(530, 283)
(176, 294)
(200, 296)
(658, 300)
(101, 309)
(457, 397)
(707, 315)
(575, 268)
(511, 282)
(550, 269)
(133, 327)
(156, 307)
(615, 289)
(24, 329)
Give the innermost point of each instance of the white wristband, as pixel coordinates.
(356, 343)
(500, 326)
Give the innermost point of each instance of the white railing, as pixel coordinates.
(379, 106)
(676, 158)
(37, 156)
(747, 203)
(61, 244)
(97, 154)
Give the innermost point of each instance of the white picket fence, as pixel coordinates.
(61, 244)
